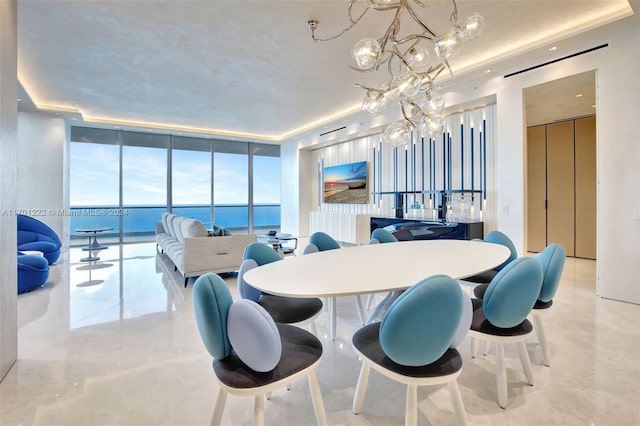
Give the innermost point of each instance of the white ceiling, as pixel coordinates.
(245, 69)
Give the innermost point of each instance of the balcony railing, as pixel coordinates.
(141, 220)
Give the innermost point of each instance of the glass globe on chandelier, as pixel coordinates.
(413, 62)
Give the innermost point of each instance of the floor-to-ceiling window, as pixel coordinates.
(266, 187)
(231, 185)
(191, 178)
(144, 182)
(131, 178)
(94, 179)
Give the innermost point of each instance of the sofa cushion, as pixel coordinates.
(192, 228)
(170, 225)
(163, 220)
(219, 231)
(177, 227)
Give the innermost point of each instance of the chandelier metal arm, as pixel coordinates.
(413, 37)
(369, 89)
(411, 77)
(392, 29)
(313, 25)
(419, 20)
(405, 115)
(396, 54)
(349, 7)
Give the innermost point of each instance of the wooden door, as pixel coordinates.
(561, 185)
(536, 189)
(585, 154)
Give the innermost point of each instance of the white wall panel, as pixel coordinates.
(422, 165)
(8, 197)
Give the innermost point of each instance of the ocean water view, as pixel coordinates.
(141, 220)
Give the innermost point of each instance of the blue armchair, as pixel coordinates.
(35, 235)
(33, 272)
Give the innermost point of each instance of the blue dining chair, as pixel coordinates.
(252, 355)
(415, 343)
(381, 235)
(289, 310)
(483, 279)
(501, 316)
(552, 260)
(320, 241)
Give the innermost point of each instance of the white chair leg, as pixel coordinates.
(458, 405)
(486, 347)
(361, 387)
(542, 339)
(316, 398)
(312, 328)
(411, 410)
(363, 318)
(218, 408)
(370, 300)
(332, 318)
(474, 347)
(526, 363)
(258, 410)
(501, 376)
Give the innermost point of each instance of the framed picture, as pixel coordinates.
(346, 184)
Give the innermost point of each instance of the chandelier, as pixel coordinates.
(411, 67)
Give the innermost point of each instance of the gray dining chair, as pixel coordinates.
(299, 311)
(252, 355)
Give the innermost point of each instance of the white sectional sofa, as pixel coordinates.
(193, 251)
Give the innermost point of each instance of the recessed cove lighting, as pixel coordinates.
(552, 48)
(579, 95)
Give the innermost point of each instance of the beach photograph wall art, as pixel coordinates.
(346, 184)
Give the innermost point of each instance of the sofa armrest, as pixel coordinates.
(160, 228)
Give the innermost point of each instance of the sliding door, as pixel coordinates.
(560, 185)
(586, 188)
(536, 188)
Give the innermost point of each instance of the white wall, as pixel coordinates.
(41, 140)
(618, 150)
(8, 118)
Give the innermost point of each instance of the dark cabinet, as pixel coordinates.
(415, 229)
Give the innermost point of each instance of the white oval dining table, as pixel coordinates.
(374, 268)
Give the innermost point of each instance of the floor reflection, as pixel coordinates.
(127, 351)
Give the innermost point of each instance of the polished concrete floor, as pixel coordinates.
(115, 343)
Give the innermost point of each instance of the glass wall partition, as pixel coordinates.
(266, 187)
